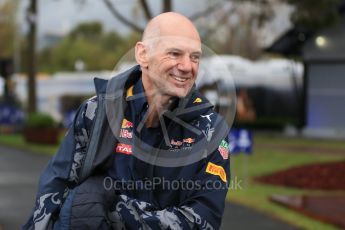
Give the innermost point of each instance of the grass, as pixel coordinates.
(244, 168)
(17, 141)
(255, 195)
(300, 142)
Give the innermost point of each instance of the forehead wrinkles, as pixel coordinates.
(184, 45)
(164, 43)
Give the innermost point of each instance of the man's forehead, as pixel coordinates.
(179, 42)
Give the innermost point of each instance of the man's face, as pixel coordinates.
(173, 65)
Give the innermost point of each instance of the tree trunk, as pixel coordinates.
(32, 19)
(146, 9)
(167, 6)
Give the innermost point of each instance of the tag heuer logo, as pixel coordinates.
(123, 148)
(224, 149)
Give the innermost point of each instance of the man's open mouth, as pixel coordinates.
(179, 79)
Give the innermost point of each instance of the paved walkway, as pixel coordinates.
(237, 217)
(19, 173)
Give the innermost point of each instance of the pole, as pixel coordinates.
(32, 20)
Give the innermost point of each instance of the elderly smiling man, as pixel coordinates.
(147, 152)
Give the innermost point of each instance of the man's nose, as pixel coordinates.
(185, 64)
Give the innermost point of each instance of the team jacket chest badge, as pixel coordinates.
(216, 170)
(183, 144)
(124, 148)
(224, 149)
(126, 130)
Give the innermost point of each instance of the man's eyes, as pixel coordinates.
(176, 54)
(195, 57)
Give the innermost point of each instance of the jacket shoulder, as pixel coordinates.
(85, 115)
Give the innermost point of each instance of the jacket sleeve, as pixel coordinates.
(202, 210)
(61, 173)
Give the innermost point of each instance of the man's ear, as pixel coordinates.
(141, 54)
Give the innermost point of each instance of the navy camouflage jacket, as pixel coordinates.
(103, 165)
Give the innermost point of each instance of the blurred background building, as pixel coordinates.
(323, 53)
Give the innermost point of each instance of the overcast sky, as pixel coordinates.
(60, 16)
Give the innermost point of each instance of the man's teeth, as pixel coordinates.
(180, 79)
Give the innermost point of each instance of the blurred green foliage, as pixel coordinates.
(315, 14)
(89, 43)
(40, 120)
(7, 27)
